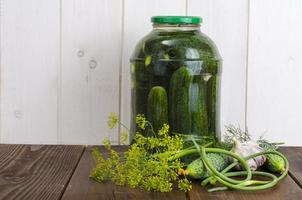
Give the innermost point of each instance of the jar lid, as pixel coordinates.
(176, 19)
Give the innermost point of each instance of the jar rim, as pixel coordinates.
(176, 20)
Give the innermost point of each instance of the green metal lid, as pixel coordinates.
(176, 20)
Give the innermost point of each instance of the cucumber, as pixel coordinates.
(139, 91)
(198, 107)
(224, 145)
(179, 110)
(212, 98)
(197, 170)
(138, 104)
(273, 163)
(157, 107)
(188, 105)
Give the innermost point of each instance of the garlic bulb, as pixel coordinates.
(247, 148)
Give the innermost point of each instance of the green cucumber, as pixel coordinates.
(212, 98)
(198, 107)
(139, 91)
(157, 107)
(138, 104)
(273, 163)
(179, 110)
(224, 145)
(197, 170)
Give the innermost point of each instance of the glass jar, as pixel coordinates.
(175, 73)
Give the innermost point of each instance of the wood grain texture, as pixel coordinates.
(225, 22)
(36, 172)
(30, 56)
(274, 70)
(91, 43)
(294, 156)
(42, 172)
(82, 188)
(137, 24)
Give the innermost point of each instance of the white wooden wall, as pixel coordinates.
(65, 65)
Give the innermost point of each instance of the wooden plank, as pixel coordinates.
(81, 187)
(137, 24)
(91, 43)
(30, 58)
(294, 155)
(287, 189)
(225, 23)
(36, 172)
(274, 78)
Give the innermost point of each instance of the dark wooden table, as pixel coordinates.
(61, 172)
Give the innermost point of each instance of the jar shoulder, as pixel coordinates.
(176, 45)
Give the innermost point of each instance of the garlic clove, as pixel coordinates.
(245, 149)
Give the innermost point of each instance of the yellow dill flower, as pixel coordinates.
(141, 121)
(112, 120)
(184, 185)
(107, 143)
(164, 130)
(124, 137)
